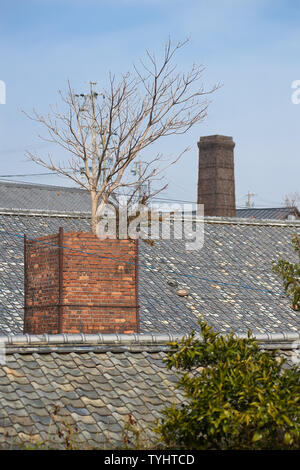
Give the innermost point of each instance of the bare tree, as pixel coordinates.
(105, 133)
(292, 200)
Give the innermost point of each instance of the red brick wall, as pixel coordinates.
(41, 285)
(98, 293)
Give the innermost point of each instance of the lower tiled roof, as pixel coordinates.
(88, 386)
(89, 391)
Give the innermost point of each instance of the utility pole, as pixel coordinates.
(249, 195)
(88, 103)
(137, 171)
(140, 180)
(89, 106)
(93, 96)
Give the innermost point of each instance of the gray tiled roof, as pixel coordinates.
(94, 382)
(230, 281)
(279, 213)
(91, 383)
(92, 390)
(43, 197)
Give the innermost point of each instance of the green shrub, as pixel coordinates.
(237, 396)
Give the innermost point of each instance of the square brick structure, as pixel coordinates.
(216, 186)
(87, 286)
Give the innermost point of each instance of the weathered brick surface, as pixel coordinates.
(216, 186)
(98, 293)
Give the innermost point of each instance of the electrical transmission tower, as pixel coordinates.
(249, 196)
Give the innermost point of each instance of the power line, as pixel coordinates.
(71, 187)
(45, 144)
(35, 184)
(28, 174)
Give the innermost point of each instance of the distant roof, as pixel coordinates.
(60, 198)
(43, 197)
(279, 213)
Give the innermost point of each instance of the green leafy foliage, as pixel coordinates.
(290, 274)
(236, 396)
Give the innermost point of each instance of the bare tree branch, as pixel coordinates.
(105, 134)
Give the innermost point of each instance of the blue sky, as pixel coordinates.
(250, 46)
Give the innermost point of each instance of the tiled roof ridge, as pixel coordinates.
(83, 338)
(250, 221)
(207, 219)
(81, 343)
(262, 208)
(40, 186)
(44, 213)
(66, 342)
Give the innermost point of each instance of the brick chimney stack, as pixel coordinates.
(216, 187)
(77, 283)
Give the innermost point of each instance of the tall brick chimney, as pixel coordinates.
(88, 286)
(216, 187)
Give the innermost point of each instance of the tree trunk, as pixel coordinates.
(94, 219)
